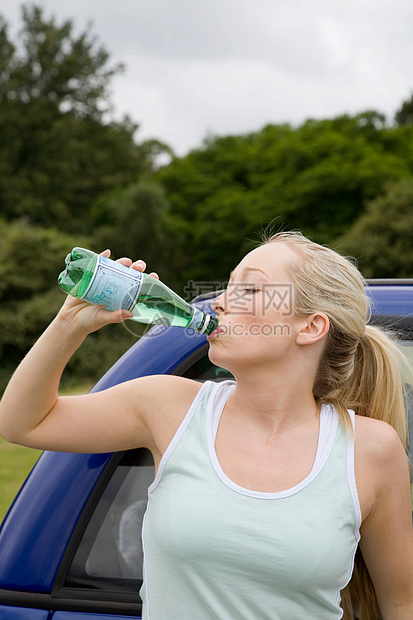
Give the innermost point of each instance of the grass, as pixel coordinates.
(16, 463)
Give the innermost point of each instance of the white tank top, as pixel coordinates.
(214, 550)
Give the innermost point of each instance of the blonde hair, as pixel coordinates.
(360, 368)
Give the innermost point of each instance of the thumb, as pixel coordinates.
(118, 316)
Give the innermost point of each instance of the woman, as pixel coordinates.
(265, 485)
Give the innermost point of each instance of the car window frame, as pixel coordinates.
(110, 600)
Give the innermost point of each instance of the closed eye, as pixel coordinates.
(237, 289)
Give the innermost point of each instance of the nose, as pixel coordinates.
(218, 303)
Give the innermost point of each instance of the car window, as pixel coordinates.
(110, 547)
(204, 370)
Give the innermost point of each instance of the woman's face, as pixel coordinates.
(256, 322)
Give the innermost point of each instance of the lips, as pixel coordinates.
(215, 333)
(219, 330)
(212, 334)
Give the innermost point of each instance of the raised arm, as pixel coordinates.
(33, 414)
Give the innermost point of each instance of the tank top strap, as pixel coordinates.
(351, 474)
(202, 398)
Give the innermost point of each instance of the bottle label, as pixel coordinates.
(113, 285)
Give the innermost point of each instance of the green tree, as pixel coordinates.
(30, 260)
(317, 177)
(404, 115)
(58, 150)
(70, 71)
(381, 239)
(134, 222)
(60, 154)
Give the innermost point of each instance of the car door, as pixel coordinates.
(101, 572)
(19, 613)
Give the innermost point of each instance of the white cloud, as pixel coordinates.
(230, 66)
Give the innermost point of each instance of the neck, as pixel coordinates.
(274, 399)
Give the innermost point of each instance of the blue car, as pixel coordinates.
(70, 546)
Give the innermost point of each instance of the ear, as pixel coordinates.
(313, 329)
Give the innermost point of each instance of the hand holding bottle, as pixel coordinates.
(115, 287)
(87, 318)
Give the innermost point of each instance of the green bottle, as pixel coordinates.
(102, 281)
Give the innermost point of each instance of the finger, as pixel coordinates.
(125, 261)
(139, 265)
(105, 253)
(154, 275)
(104, 317)
(122, 315)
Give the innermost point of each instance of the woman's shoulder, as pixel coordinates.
(379, 452)
(376, 437)
(169, 393)
(163, 401)
(380, 458)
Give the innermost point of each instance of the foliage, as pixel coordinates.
(134, 222)
(58, 151)
(317, 177)
(30, 260)
(69, 71)
(381, 239)
(404, 115)
(60, 157)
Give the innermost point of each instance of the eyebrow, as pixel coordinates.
(249, 269)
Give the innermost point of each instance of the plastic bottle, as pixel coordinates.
(102, 281)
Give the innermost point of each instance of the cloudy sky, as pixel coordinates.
(196, 67)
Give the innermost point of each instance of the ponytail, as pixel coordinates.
(361, 367)
(372, 385)
(378, 389)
